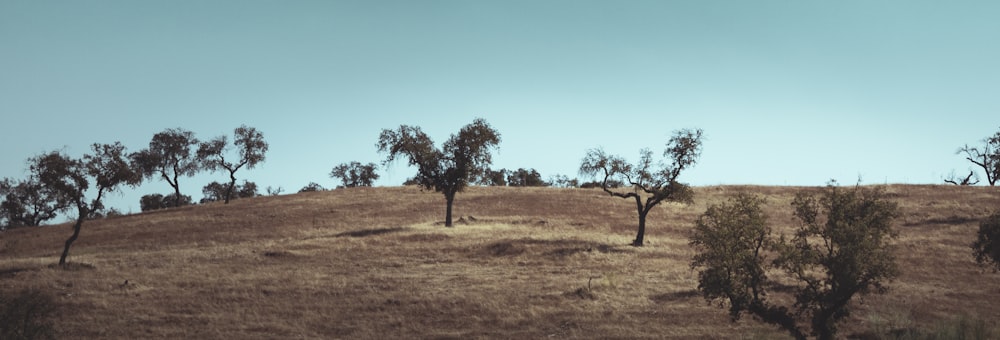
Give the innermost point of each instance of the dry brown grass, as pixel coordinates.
(521, 263)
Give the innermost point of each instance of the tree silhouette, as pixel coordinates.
(657, 184)
(355, 174)
(28, 203)
(251, 149)
(463, 159)
(170, 156)
(986, 248)
(986, 156)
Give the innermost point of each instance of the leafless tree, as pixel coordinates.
(986, 156)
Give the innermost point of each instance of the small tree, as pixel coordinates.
(563, 181)
(494, 178)
(250, 146)
(525, 178)
(657, 183)
(463, 159)
(170, 156)
(986, 156)
(355, 174)
(841, 250)
(312, 187)
(215, 191)
(986, 248)
(28, 203)
(971, 179)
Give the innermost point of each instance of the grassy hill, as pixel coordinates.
(520, 263)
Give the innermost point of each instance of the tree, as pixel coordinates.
(312, 187)
(355, 174)
(986, 248)
(841, 250)
(463, 159)
(215, 191)
(170, 156)
(987, 157)
(954, 179)
(69, 178)
(251, 149)
(159, 201)
(525, 178)
(658, 184)
(563, 181)
(494, 178)
(28, 203)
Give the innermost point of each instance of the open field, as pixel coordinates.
(520, 263)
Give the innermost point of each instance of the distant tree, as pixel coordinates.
(657, 184)
(953, 179)
(274, 191)
(411, 181)
(525, 178)
(158, 201)
(986, 248)
(494, 178)
(250, 148)
(563, 181)
(463, 159)
(355, 174)
(215, 191)
(842, 250)
(170, 155)
(312, 187)
(28, 203)
(107, 167)
(599, 184)
(986, 156)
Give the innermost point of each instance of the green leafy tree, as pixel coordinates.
(986, 156)
(355, 174)
(525, 178)
(312, 187)
(170, 155)
(159, 201)
(463, 159)
(215, 191)
(28, 203)
(646, 180)
(250, 150)
(986, 248)
(841, 250)
(494, 178)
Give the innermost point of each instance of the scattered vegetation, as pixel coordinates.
(26, 314)
(251, 149)
(986, 248)
(355, 174)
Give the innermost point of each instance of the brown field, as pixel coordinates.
(520, 263)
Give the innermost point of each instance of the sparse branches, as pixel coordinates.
(464, 158)
(986, 156)
(355, 174)
(647, 179)
(986, 248)
(251, 150)
(971, 179)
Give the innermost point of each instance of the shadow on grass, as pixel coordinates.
(369, 232)
(551, 248)
(675, 296)
(950, 220)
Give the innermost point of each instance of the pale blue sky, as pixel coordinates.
(788, 92)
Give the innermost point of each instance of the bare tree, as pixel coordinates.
(463, 159)
(170, 156)
(251, 149)
(971, 179)
(355, 174)
(986, 156)
(645, 180)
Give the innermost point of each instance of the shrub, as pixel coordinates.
(986, 249)
(26, 315)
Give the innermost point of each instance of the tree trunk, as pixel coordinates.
(232, 183)
(639, 237)
(447, 215)
(76, 233)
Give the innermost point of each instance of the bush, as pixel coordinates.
(26, 315)
(986, 249)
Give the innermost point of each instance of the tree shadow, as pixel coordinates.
(950, 220)
(675, 296)
(550, 248)
(370, 232)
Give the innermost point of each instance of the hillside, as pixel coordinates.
(376, 263)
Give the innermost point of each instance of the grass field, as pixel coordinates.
(519, 263)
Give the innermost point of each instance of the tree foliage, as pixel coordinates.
(28, 203)
(986, 156)
(841, 250)
(152, 202)
(464, 158)
(656, 182)
(986, 248)
(312, 187)
(250, 147)
(215, 191)
(355, 174)
(170, 155)
(525, 178)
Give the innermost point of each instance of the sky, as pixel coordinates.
(788, 92)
